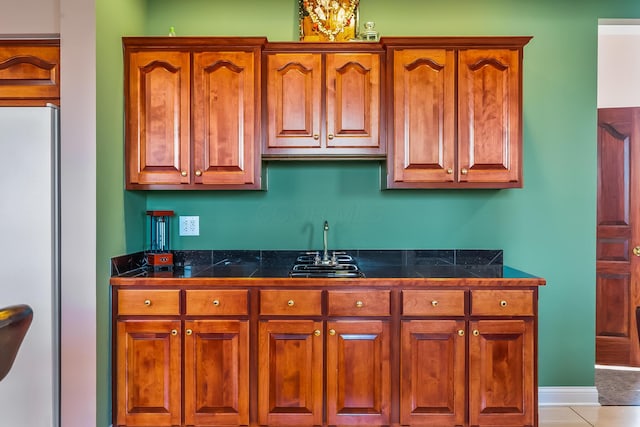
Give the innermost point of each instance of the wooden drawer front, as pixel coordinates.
(502, 303)
(291, 302)
(216, 302)
(433, 303)
(359, 303)
(149, 302)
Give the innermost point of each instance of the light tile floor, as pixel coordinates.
(585, 416)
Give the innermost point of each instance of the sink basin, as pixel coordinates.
(338, 266)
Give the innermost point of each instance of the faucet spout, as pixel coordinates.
(325, 254)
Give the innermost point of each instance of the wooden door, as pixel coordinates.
(226, 118)
(423, 138)
(358, 373)
(149, 377)
(618, 234)
(353, 101)
(432, 372)
(294, 102)
(501, 373)
(216, 372)
(290, 354)
(157, 118)
(490, 116)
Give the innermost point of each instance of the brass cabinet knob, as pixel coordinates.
(147, 302)
(461, 332)
(198, 172)
(434, 303)
(317, 332)
(188, 331)
(316, 136)
(449, 171)
(636, 251)
(330, 136)
(359, 304)
(290, 303)
(174, 332)
(503, 303)
(332, 332)
(476, 332)
(464, 171)
(183, 173)
(216, 302)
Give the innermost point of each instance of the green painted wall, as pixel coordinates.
(546, 228)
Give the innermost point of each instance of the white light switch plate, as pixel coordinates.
(189, 225)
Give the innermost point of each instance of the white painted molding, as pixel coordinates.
(568, 396)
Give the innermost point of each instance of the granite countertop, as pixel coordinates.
(456, 263)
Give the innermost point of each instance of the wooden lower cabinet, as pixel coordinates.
(216, 372)
(149, 373)
(290, 373)
(358, 372)
(501, 373)
(442, 356)
(432, 372)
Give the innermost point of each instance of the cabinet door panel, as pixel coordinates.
(158, 118)
(489, 105)
(225, 113)
(216, 376)
(149, 373)
(501, 373)
(30, 72)
(358, 373)
(423, 116)
(432, 372)
(294, 83)
(353, 100)
(290, 373)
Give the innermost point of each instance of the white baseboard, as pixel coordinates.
(568, 396)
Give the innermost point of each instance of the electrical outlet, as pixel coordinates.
(189, 225)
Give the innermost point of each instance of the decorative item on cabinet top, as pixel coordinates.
(328, 20)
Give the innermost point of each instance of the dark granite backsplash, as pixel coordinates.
(277, 263)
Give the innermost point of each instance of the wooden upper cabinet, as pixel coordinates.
(456, 112)
(226, 106)
(158, 128)
(424, 116)
(29, 72)
(323, 103)
(193, 108)
(490, 116)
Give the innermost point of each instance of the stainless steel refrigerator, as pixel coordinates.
(30, 260)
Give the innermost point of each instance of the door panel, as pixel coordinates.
(358, 373)
(432, 372)
(617, 293)
(290, 373)
(216, 378)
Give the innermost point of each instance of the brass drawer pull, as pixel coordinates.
(290, 303)
(434, 303)
(317, 332)
(359, 304)
(461, 332)
(147, 302)
(216, 302)
(174, 332)
(503, 303)
(476, 332)
(189, 331)
(332, 332)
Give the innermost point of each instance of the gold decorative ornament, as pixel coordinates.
(328, 20)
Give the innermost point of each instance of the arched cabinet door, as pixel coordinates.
(158, 118)
(490, 118)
